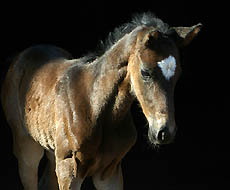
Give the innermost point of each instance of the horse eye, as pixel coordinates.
(145, 74)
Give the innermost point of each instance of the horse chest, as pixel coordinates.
(119, 138)
(116, 141)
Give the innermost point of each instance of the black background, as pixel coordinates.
(199, 157)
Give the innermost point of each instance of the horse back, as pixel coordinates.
(28, 92)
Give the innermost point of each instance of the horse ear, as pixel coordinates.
(184, 35)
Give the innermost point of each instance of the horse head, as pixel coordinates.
(154, 70)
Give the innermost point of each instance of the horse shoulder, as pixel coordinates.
(74, 120)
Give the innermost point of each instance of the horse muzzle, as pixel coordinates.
(161, 136)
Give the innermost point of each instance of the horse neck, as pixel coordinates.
(112, 84)
(119, 53)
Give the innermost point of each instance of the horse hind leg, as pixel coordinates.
(49, 178)
(29, 154)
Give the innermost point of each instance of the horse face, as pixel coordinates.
(157, 79)
(157, 72)
(154, 73)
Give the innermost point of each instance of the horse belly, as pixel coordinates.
(40, 123)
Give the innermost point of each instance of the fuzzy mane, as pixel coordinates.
(143, 19)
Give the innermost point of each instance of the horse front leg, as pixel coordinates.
(66, 174)
(113, 182)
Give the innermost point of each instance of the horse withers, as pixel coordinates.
(78, 110)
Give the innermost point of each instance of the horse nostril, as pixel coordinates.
(163, 135)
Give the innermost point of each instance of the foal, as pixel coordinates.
(78, 110)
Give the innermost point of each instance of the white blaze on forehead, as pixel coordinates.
(168, 66)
